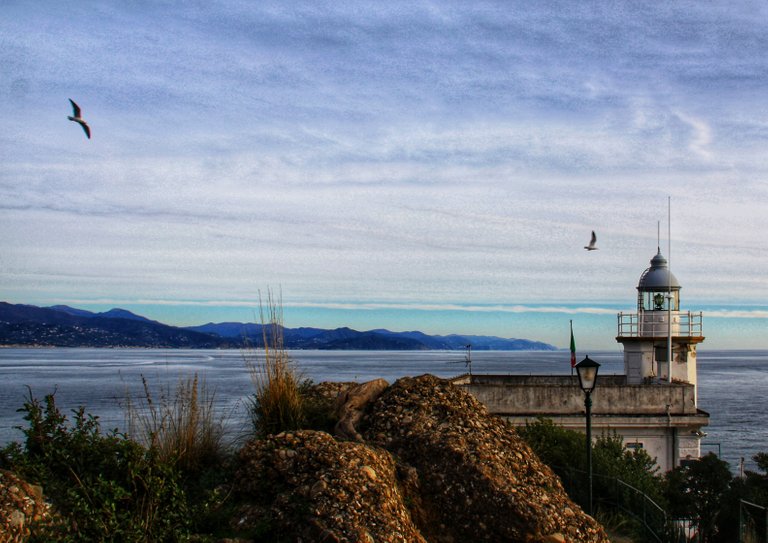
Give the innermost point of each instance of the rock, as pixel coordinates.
(354, 494)
(21, 506)
(351, 404)
(317, 489)
(481, 481)
(369, 472)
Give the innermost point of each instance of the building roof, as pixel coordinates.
(658, 276)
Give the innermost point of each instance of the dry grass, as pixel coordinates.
(277, 402)
(180, 424)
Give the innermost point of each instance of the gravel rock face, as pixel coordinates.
(310, 487)
(478, 479)
(20, 505)
(434, 466)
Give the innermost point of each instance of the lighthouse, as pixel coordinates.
(652, 406)
(659, 328)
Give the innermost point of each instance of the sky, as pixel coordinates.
(436, 166)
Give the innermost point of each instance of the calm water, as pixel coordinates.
(732, 384)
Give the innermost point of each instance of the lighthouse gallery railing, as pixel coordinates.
(654, 324)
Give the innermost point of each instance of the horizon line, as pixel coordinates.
(761, 313)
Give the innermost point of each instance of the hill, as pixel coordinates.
(40, 326)
(64, 326)
(379, 339)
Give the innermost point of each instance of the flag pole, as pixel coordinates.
(573, 350)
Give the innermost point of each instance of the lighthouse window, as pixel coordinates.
(654, 301)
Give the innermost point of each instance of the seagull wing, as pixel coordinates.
(86, 128)
(592, 242)
(75, 109)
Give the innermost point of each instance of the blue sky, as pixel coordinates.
(409, 165)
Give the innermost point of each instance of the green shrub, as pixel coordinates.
(555, 445)
(699, 490)
(104, 486)
(565, 451)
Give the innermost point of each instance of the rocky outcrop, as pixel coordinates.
(21, 504)
(307, 486)
(477, 478)
(434, 467)
(351, 404)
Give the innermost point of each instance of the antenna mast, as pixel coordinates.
(669, 289)
(658, 236)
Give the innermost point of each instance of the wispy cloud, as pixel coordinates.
(431, 308)
(700, 137)
(738, 314)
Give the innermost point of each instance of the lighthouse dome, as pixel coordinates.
(658, 277)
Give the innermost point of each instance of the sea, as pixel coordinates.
(733, 385)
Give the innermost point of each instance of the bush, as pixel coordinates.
(562, 448)
(277, 403)
(565, 452)
(555, 445)
(698, 491)
(180, 426)
(104, 486)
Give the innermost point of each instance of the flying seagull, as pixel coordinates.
(591, 246)
(76, 116)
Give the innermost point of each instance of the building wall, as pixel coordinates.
(660, 418)
(552, 395)
(638, 363)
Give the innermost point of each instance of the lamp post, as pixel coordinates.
(587, 372)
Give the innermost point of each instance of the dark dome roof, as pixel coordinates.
(658, 277)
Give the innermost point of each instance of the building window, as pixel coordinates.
(634, 446)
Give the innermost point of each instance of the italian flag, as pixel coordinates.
(573, 348)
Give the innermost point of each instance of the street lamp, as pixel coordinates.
(587, 372)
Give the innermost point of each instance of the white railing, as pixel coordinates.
(654, 324)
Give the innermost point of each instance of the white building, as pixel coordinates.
(652, 406)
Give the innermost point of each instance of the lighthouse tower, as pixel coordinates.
(653, 406)
(659, 323)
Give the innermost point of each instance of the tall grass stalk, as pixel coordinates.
(277, 403)
(180, 425)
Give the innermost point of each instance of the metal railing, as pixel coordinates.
(613, 494)
(753, 523)
(654, 324)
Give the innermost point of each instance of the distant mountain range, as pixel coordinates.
(64, 326)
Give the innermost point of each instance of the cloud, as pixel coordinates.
(700, 137)
(737, 314)
(363, 306)
(420, 155)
